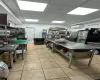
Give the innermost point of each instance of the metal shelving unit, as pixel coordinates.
(56, 33)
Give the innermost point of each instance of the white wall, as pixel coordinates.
(85, 26)
(12, 24)
(92, 25)
(38, 28)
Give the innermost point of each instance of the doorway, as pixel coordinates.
(30, 34)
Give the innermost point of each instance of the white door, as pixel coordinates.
(29, 33)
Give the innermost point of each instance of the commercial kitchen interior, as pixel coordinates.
(49, 39)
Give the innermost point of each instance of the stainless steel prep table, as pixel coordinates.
(23, 46)
(74, 50)
(11, 49)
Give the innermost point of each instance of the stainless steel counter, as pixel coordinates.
(74, 50)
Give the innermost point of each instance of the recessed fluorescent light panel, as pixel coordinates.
(58, 22)
(31, 6)
(31, 20)
(82, 11)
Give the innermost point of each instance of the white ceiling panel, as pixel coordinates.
(92, 4)
(95, 14)
(40, 15)
(75, 18)
(72, 17)
(43, 17)
(11, 4)
(51, 8)
(68, 2)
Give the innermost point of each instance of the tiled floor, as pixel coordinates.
(41, 64)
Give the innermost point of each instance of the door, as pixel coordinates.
(29, 33)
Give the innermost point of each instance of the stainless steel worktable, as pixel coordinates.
(23, 46)
(77, 46)
(11, 49)
(74, 50)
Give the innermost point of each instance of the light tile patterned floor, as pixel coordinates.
(41, 64)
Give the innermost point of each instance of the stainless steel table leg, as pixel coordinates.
(15, 56)
(70, 62)
(22, 48)
(71, 58)
(10, 59)
(92, 54)
(26, 47)
(52, 48)
(22, 53)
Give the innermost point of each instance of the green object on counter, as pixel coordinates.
(19, 41)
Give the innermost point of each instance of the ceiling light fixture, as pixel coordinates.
(82, 11)
(31, 6)
(58, 22)
(31, 20)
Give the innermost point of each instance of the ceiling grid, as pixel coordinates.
(55, 10)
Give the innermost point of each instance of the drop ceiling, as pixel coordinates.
(55, 10)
